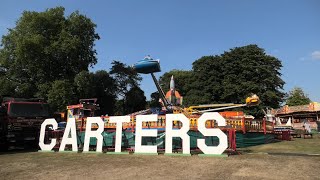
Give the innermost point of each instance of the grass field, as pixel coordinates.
(297, 145)
(40, 165)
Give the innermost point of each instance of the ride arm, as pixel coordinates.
(252, 100)
(162, 95)
(223, 108)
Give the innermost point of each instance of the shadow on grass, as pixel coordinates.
(18, 151)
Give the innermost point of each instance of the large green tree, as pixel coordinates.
(135, 100)
(98, 85)
(85, 85)
(127, 81)
(249, 69)
(297, 97)
(105, 90)
(154, 101)
(44, 47)
(61, 94)
(125, 77)
(206, 81)
(231, 77)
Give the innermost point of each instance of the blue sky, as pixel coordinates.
(179, 32)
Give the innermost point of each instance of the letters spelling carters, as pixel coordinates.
(139, 148)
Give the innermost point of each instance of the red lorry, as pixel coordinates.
(20, 122)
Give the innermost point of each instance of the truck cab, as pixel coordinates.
(20, 122)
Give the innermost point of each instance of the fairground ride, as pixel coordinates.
(239, 127)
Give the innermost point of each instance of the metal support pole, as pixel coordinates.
(162, 96)
(223, 108)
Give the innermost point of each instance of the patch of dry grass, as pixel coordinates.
(102, 166)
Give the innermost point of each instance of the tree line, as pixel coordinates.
(232, 76)
(48, 55)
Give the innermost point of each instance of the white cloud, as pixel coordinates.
(315, 55)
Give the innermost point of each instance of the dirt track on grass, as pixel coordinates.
(36, 165)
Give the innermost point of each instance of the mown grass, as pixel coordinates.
(55, 165)
(296, 145)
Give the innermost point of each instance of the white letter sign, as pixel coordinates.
(96, 133)
(119, 120)
(47, 147)
(223, 141)
(139, 148)
(182, 133)
(70, 129)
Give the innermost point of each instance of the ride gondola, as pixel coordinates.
(147, 65)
